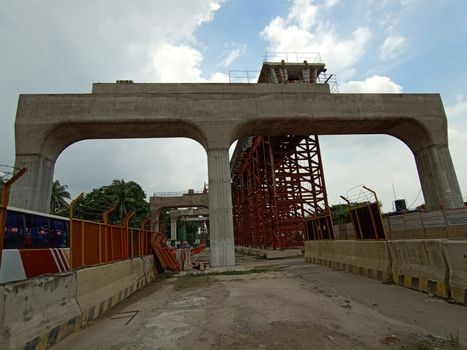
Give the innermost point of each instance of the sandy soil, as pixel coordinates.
(275, 306)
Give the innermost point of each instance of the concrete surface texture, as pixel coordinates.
(36, 313)
(434, 266)
(215, 115)
(286, 305)
(369, 258)
(31, 308)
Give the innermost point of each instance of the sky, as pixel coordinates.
(389, 46)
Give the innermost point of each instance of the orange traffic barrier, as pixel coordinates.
(198, 249)
(164, 253)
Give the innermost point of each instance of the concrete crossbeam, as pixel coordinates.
(215, 115)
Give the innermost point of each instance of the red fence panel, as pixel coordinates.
(94, 243)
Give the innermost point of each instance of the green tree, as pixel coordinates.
(123, 196)
(58, 203)
(340, 213)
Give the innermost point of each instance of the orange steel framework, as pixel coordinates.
(279, 194)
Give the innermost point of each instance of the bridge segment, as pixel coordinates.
(215, 115)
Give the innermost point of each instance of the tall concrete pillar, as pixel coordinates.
(33, 190)
(155, 217)
(173, 230)
(220, 209)
(438, 179)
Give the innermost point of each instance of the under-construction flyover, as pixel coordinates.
(278, 188)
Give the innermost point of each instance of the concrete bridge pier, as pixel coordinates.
(173, 230)
(438, 178)
(33, 190)
(220, 208)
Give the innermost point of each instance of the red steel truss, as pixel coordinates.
(279, 194)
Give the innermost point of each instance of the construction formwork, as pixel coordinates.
(279, 193)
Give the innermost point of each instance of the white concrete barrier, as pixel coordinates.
(367, 258)
(38, 312)
(456, 258)
(149, 269)
(11, 268)
(420, 264)
(101, 287)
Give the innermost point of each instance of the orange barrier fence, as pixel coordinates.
(94, 243)
(198, 249)
(164, 253)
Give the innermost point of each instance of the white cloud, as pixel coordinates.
(458, 110)
(179, 63)
(375, 84)
(301, 31)
(233, 54)
(457, 131)
(353, 160)
(392, 47)
(159, 165)
(61, 47)
(172, 63)
(219, 77)
(303, 12)
(330, 3)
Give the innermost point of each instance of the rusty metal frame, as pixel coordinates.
(276, 189)
(358, 228)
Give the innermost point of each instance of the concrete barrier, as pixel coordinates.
(149, 270)
(315, 251)
(366, 258)
(271, 254)
(420, 264)
(101, 287)
(38, 312)
(456, 258)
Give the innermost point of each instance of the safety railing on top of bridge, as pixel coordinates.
(180, 194)
(243, 76)
(291, 57)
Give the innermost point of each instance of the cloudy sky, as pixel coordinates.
(54, 46)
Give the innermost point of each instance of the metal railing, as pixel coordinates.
(330, 79)
(168, 194)
(176, 194)
(243, 76)
(291, 57)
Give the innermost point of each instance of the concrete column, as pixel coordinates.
(155, 217)
(33, 190)
(220, 209)
(173, 230)
(438, 178)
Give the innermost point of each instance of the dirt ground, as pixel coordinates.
(278, 304)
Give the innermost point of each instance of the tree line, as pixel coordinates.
(123, 196)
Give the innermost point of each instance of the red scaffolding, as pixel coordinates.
(279, 194)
